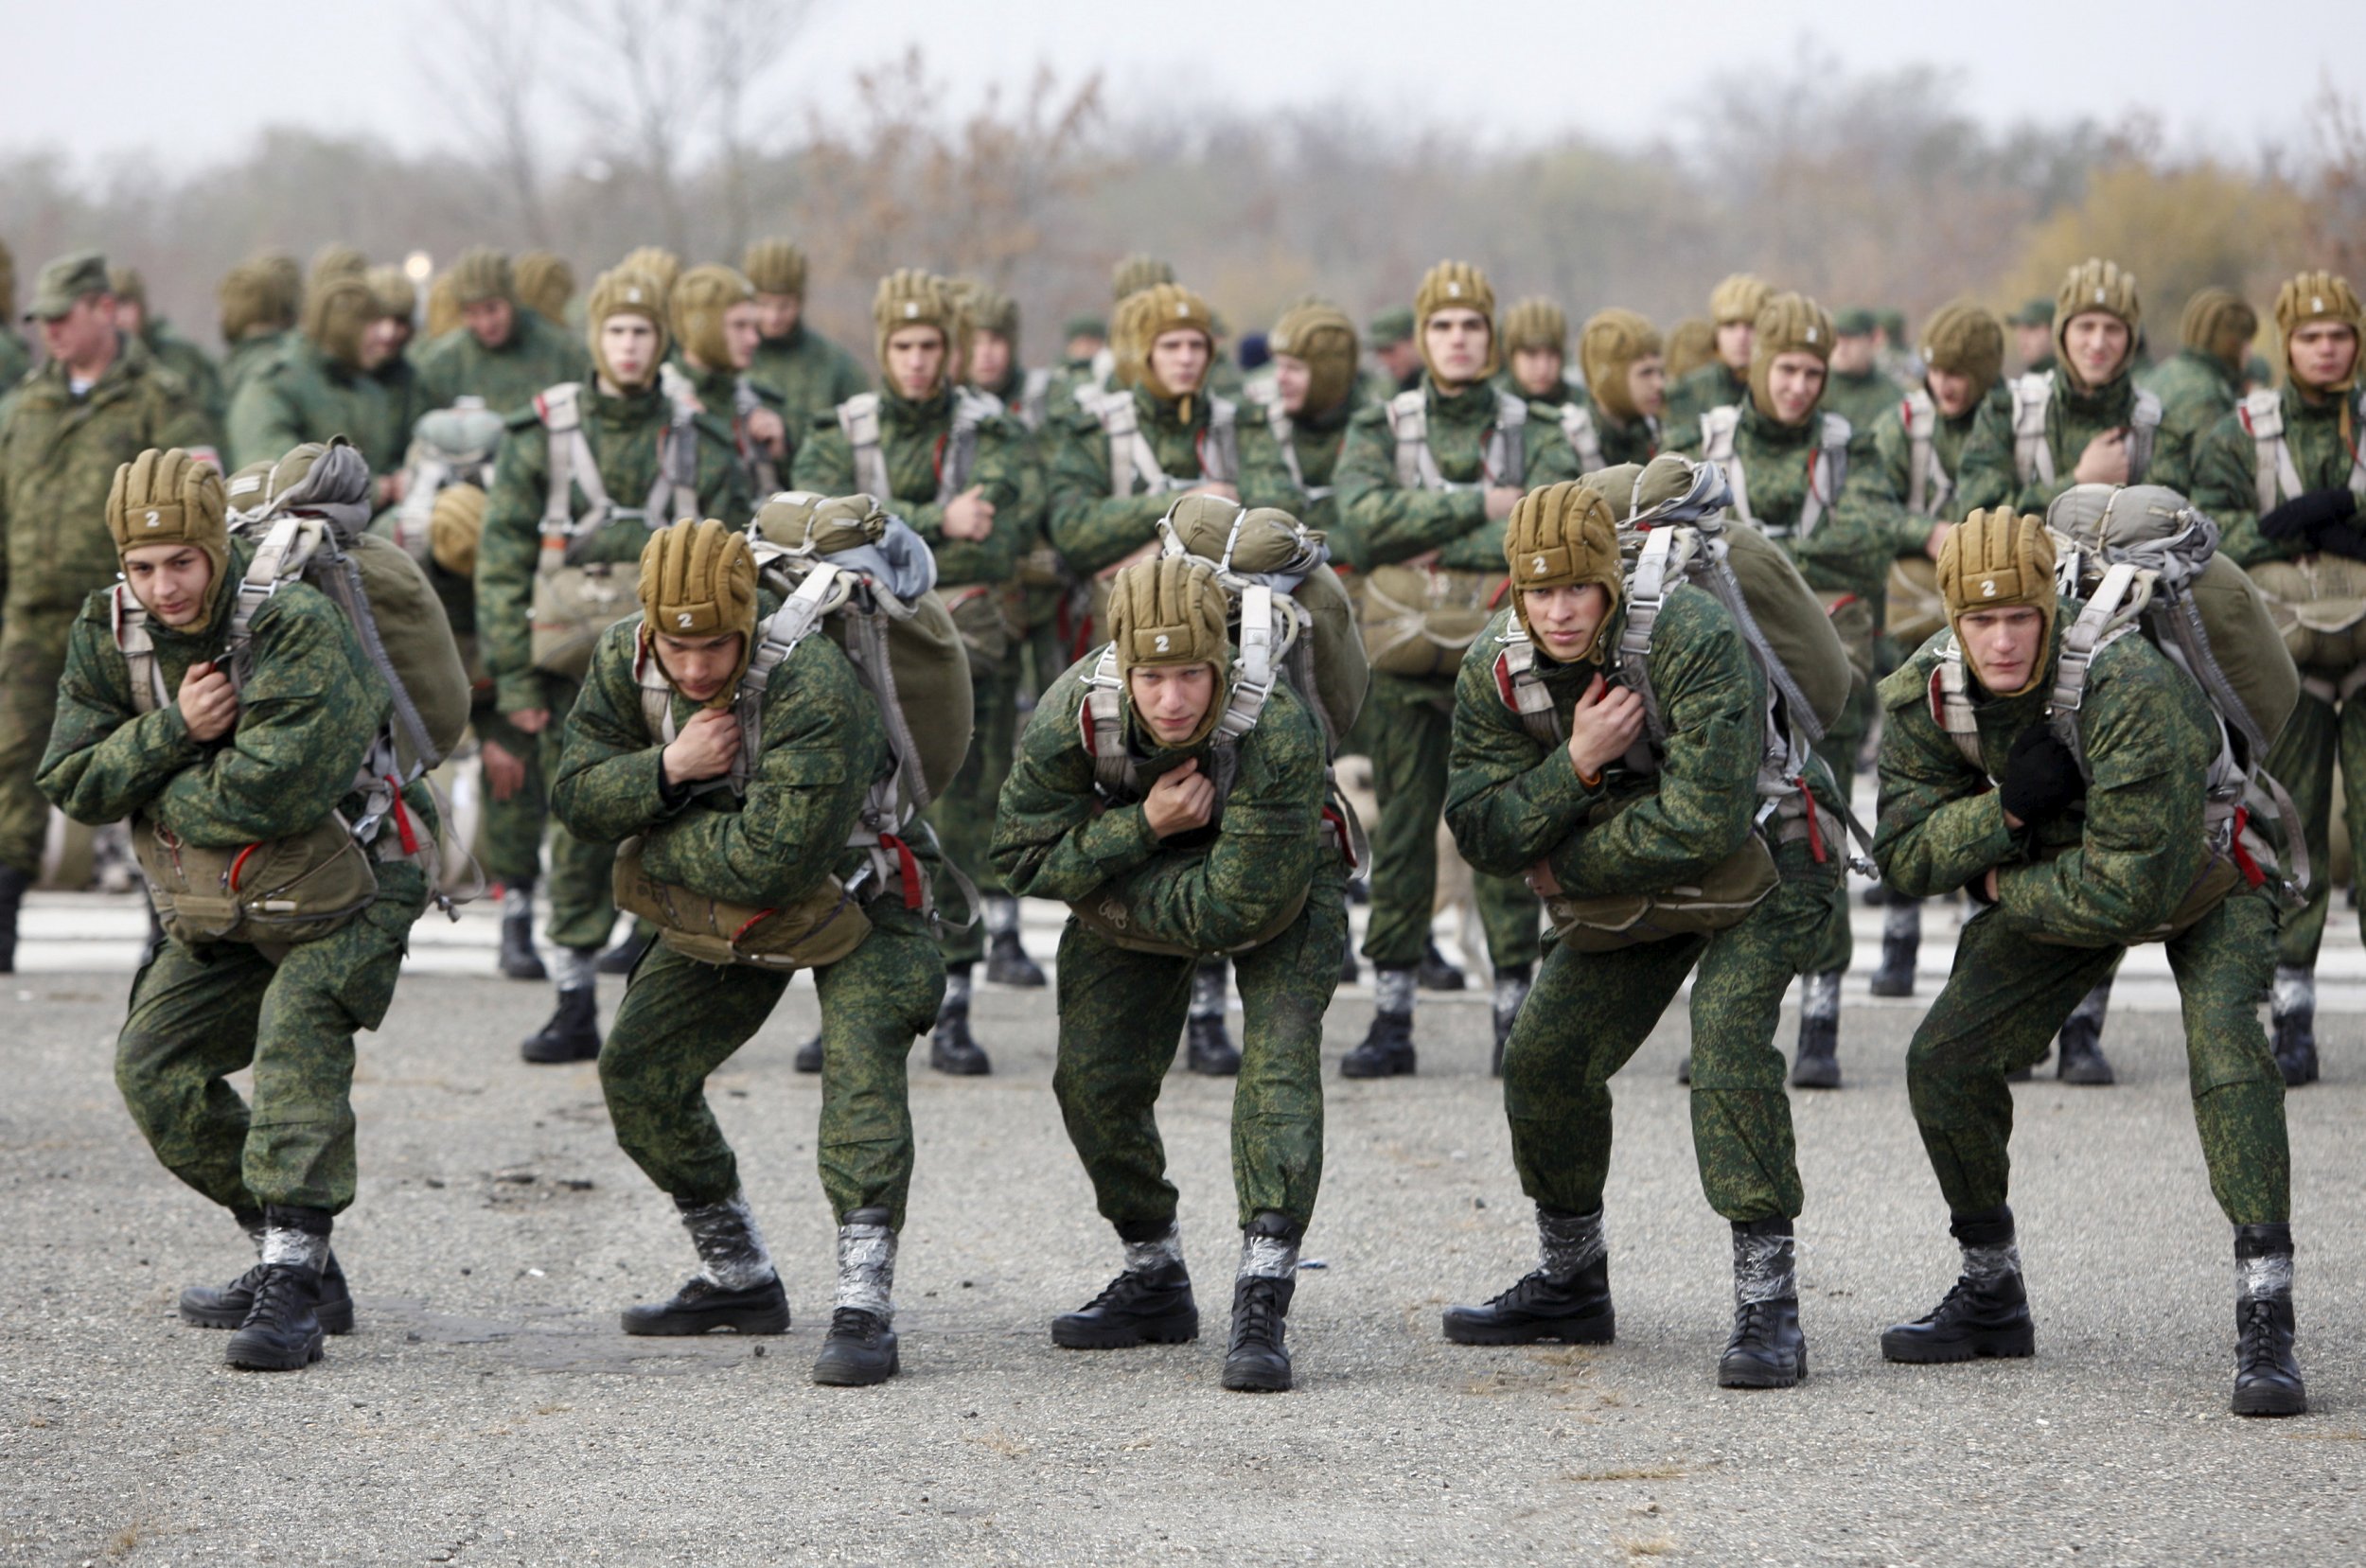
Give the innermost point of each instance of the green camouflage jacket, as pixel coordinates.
(822, 746)
(1701, 389)
(1851, 545)
(57, 459)
(1893, 453)
(247, 356)
(717, 394)
(625, 434)
(1861, 400)
(1393, 524)
(535, 355)
(1989, 478)
(195, 367)
(913, 439)
(2100, 878)
(303, 395)
(1213, 888)
(1093, 529)
(2226, 469)
(15, 357)
(811, 374)
(2197, 389)
(1316, 442)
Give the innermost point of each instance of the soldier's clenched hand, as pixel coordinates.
(208, 703)
(705, 747)
(1605, 723)
(2105, 461)
(1179, 801)
(969, 516)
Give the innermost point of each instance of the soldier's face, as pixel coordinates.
(1538, 371)
(2098, 343)
(1647, 384)
(915, 359)
(383, 340)
(491, 320)
(1852, 354)
(1178, 361)
(1734, 342)
(1950, 389)
(169, 581)
(85, 333)
(1457, 340)
(698, 666)
(1293, 378)
(1172, 698)
(1564, 620)
(740, 331)
(776, 314)
(1794, 382)
(2032, 342)
(989, 359)
(628, 344)
(2323, 353)
(2001, 644)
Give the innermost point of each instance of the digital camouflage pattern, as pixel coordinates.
(306, 395)
(1714, 385)
(16, 358)
(2197, 389)
(195, 367)
(58, 456)
(717, 392)
(1623, 441)
(2072, 893)
(1893, 454)
(2072, 419)
(534, 356)
(823, 745)
(1094, 530)
(1861, 398)
(1121, 1012)
(811, 374)
(1316, 441)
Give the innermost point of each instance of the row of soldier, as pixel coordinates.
(1420, 519)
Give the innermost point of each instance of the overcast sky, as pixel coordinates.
(102, 79)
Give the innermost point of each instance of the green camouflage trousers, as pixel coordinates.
(32, 661)
(1411, 730)
(1120, 1019)
(1839, 748)
(2008, 995)
(2302, 761)
(582, 888)
(681, 1019)
(1590, 1011)
(201, 1013)
(964, 815)
(509, 832)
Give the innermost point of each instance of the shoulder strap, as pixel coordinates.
(1929, 486)
(2143, 425)
(2033, 459)
(1408, 424)
(1522, 687)
(1508, 453)
(1253, 670)
(1035, 402)
(1828, 470)
(1284, 432)
(2089, 636)
(970, 410)
(1655, 572)
(1102, 721)
(1716, 446)
(571, 469)
(1950, 705)
(137, 644)
(1129, 455)
(2277, 475)
(1576, 423)
(1221, 459)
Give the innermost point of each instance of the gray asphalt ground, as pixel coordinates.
(488, 1410)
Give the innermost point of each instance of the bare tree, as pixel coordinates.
(486, 63)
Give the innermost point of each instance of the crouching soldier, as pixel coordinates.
(1178, 819)
(2072, 868)
(1615, 822)
(233, 736)
(735, 762)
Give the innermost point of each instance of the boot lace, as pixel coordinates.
(1123, 1293)
(279, 1295)
(2258, 1345)
(855, 1324)
(1258, 1320)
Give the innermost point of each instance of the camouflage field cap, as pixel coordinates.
(64, 281)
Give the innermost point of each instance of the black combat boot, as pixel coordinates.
(13, 886)
(1987, 1313)
(1767, 1349)
(1387, 1047)
(226, 1306)
(2266, 1378)
(951, 1047)
(2292, 1015)
(860, 1348)
(808, 1057)
(1901, 944)
(1817, 1064)
(736, 1286)
(1350, 971)
(572, 1033)
(1434, 973)
(1150, 1303)
(1007, 962)
(1567, 1298)
(620, 959)
(2080, 1044)
(1207, 1040)
(519, 961)
(1258, 1361)
(281, 1332)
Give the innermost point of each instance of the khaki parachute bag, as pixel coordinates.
(2319, 601)
(1420, 618)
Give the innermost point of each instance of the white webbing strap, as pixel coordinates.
(1950, 705)
(2033, 459)
(1576, 423)
(1516, 673)
(858, 420)
(1505, 457)
(1828, 470)
(2143, 427)
(138, 647)
(1929, 485)
(1717, 446)
(2278, 476)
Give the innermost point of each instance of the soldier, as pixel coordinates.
(1565, 806)
(65, 432)
(1723, 382)
(1396, 357)
(952, 464)
(1893, 350)
(1857, 388)
(259, 299)
(2282, 477)
(545, 570)
(1080, 338)
(1536, 348)
(812, 373)
(1427, 479)
(2202, 381)
(218, 772)
(729, 805)
(2072, 871)
(499, 354)
(1691, 344)
(714, 332)
(1200, 842)
(388, 354)
(1808, 480)
(994, 366)
(321, 384)
(2033, 335)
(1317, 393)
(1626, 382)
(168, 347)
(544, 283)
(15, 357)
(2083, 422)
(1918, 445)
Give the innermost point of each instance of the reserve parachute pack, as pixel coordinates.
(454, 446)
(2145, 563)
(312, 530)
(2033, 454)
(1673, 536)
(1420, 619)
(575, 601)
(851, 570)
(2319, 601)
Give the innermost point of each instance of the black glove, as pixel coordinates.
(2341, 538)
(2042, 778)
(2303, 516)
